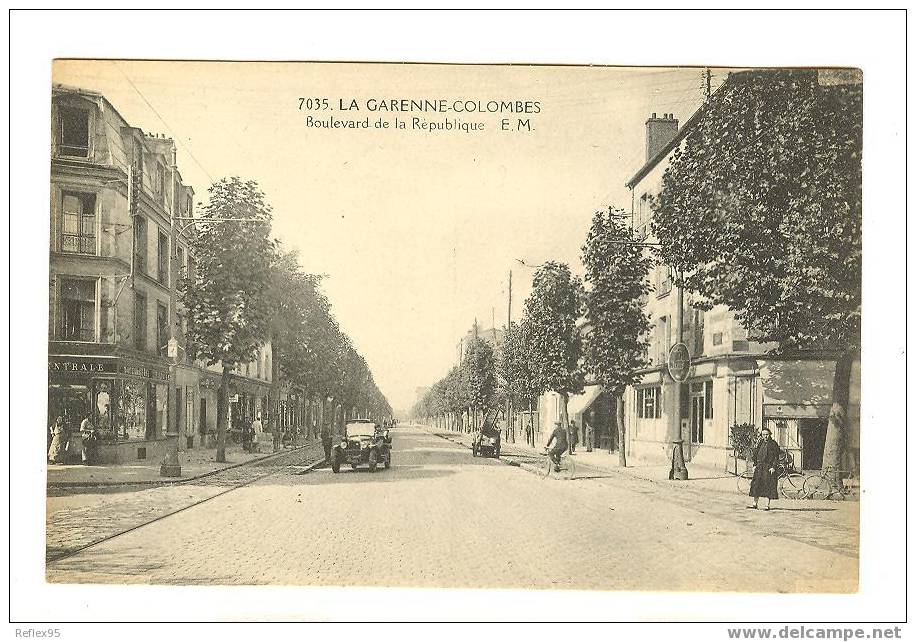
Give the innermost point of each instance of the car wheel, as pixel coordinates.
(335, 462)
(373, 460)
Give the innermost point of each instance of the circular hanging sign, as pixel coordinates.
(678, 362)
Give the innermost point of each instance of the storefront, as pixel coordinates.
(125, 399)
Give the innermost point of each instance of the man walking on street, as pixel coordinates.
(589, 433)
(573, 436)
(326, 441)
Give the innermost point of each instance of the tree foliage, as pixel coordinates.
(479, 369)
(514, 367)
(472, 384)
(226, 296)
(760, 209)
(554, 342)
(247, 290)
(616, 277)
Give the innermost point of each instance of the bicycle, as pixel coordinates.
(827, 484)
(567, 467)
(790, 482)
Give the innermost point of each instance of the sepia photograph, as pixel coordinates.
(453, 325)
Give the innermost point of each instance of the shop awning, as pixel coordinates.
(580, 403)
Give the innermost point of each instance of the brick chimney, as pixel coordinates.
(659, 132)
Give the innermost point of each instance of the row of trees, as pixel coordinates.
(247, 290)
(548, 349)
(760, 210)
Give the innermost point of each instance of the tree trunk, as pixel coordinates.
(838, 424)
(531, 421)
(274, 421)
(621, 433)
(222, 415)
(564, 416)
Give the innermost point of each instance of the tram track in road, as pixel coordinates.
(89, 526)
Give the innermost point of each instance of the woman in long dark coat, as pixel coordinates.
(764, 483)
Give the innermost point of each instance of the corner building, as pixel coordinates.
(118, 246)
(732, 379)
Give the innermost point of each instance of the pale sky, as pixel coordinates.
(416, 231)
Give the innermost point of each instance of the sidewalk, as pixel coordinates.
(194, 464)
(701, 478)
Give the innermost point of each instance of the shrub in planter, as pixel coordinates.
(742, 438)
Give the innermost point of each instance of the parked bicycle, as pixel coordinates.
(566, 469)
(791, 482)
(826, 484)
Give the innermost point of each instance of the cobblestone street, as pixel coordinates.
(439, 517)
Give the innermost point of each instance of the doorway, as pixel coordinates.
(202, 423)
(697, 414)
(813, 435)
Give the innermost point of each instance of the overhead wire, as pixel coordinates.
(167, 126)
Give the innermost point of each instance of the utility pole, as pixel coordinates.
(171, 466)
(678, 464)
(510, 418)
(510, 298)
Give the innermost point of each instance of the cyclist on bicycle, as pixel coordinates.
(558, 439)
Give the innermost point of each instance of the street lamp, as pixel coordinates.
(678, 369)
(171, 466)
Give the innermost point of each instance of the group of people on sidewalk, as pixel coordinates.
(61, 444)
(572, 435)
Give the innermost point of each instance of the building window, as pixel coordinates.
(163, 257)
(160, 180)
(717, 338)
(707, 393)
(663, 284)
(77, 302)
(140, 244)
(649, 402)
(662, 340)
(698, 330)
(181, 263)
(78, 217)
(190, 207)
(139, 321)
(162, 329)
(74, 131)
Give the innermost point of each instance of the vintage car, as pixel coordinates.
(486, 442)
(363, 442)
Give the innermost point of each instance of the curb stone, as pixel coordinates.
(167, 481)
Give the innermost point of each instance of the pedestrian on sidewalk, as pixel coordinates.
(573, 436)
(246, 436)
(529, 439)
(56, 451)
(256, 429)
(764, 482)
(589, 433)
(89, 437)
